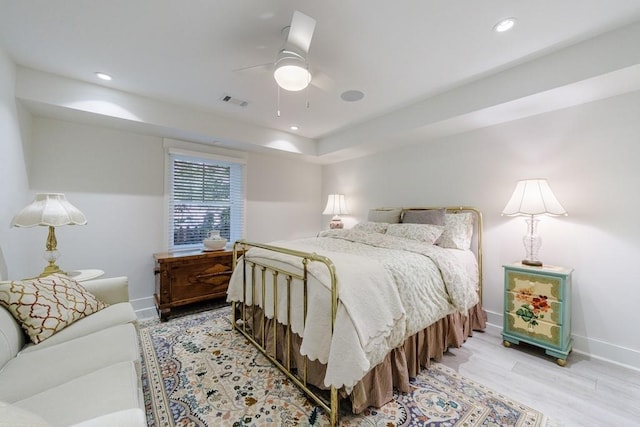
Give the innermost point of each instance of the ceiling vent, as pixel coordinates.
(235, 101)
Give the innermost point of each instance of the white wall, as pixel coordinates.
(283, 198)
(13, 173)
(590, 156)
(116, 178)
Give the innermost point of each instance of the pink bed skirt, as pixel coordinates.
(401, 364)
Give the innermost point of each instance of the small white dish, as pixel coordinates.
(214, 244)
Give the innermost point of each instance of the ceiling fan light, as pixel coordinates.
(292, 74)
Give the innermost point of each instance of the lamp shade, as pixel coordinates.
(533, 197)
(49, 209)
(292, 73)
(336, 205)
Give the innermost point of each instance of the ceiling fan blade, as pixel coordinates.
(323, 81)
(258, 68)
(301, 31)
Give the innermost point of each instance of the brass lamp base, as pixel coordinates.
(50, 269)
(51, 254)
(532, 263)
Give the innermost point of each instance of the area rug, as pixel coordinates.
(198, 372)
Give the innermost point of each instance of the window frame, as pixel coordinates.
(194, 152)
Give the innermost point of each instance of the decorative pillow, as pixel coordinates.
(390, 216)
(371, 227)
(427, 233)
(424, 216)
(458, 229)
(46, 305)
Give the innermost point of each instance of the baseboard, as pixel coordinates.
(607, 352)
(145, 308)
(590, 347)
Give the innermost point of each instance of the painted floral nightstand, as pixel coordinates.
(537, 308)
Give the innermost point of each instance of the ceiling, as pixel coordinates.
(397, 53)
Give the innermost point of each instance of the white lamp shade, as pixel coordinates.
(49, 209)
(291, 73)
(533, 197)
(336, 205)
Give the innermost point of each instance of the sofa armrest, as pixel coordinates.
(110, 291)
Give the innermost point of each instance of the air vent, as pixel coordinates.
(235, 101)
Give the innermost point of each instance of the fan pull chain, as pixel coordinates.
(278, 106)
(308, 84)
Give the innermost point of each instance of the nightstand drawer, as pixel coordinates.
(540, 333)
(534, 307)
(534, 284)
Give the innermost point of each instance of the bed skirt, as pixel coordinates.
(401, 364)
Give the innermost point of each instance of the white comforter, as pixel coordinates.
(389, 288)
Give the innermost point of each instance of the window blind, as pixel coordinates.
(205, 194)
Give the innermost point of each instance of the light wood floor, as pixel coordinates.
(586, 392)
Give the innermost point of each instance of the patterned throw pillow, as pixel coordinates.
(427, 233)
(458, 229)
(46, 305)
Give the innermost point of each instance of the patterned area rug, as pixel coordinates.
(198, 372)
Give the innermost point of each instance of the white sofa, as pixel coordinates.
(87, 374)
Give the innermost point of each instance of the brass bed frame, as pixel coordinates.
(330, 404)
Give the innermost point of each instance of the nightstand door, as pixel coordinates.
(200, 278)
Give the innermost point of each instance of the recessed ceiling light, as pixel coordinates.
(103, 76)
(293, 127)
(352, 95)
(504, 25)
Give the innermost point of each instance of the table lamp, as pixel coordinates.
(531, 198)
(51, 210)
(336, 206)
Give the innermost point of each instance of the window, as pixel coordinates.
(205, 193)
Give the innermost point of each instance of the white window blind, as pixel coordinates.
(204, 194)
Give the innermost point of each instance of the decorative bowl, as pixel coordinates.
(214, 244)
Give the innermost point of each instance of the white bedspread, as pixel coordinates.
(389, 288)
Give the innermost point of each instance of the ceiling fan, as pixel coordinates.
(291, 67)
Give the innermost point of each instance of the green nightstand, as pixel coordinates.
(537, 308)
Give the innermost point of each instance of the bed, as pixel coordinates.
(351, 314)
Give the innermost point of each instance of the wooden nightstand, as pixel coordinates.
(537, 308)
(186, 277)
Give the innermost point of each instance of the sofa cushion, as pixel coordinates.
(117, 314)
(55, 365)
(111, 389)
(46, 305)
(12, 416)
(11, 337)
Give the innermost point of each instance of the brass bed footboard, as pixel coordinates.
(259, 273)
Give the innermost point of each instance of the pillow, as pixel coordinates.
(371, 227)
(46, 305)
(427, 233)
(391, 215)
(458, 229)
(424, 216)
